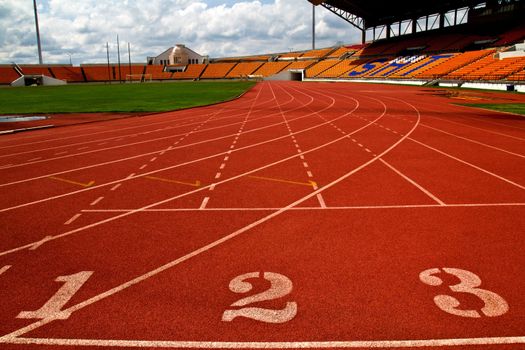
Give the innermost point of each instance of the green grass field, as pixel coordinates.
(117, 97)
(517, 108)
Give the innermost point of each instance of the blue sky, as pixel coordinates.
(215, 27)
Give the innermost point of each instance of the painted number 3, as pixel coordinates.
(494, 305)
(280, 286)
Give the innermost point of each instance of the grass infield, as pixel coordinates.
(516, 108)
(117, 97)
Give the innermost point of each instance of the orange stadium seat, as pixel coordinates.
(271, 68)
(157, 72)
(8, 75)
(193, 71)
(36, 70)
(67, 73)
(339, 69)
(320, 67)
(340, 52)
(243, 69)
(291, 55)
(217, 70)
(300, 64)
(317, 53)
(446, 66)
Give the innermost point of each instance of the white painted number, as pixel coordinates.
(280, 287)
(494, 306)
(53, 307)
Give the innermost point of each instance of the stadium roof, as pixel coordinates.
(379, 12)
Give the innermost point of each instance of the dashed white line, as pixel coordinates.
(70, 221)
(96, 201)
(4, 269)
(114, 188)
(153, 159)
(309, 173)
(34, 159)
(223, 165)
(218, 175)
(60, 153)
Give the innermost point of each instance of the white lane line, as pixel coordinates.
(34, 159)
(143, 166)
(218, 175)
(369, 151)
(82, 148)
(96, 201)
(223, 165)
(212, 187)
(153, 159)
(386, 344)
(199, 251)
(70, 221)
(71, 232)
(130, 175)
(469, 164)
(305, 164)
(366, 207)
(180, 147)
(5, 268)
(309, 173)
(226, 158)
(301, 156)
(114, 188)
(474, 141)
(5, 166)
(360, 145)
(60, 153)
(421, 188)
(41, 242)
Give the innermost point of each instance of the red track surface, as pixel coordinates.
(374, 207)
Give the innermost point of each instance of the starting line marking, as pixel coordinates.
(390, 344)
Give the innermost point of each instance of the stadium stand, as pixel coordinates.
(157, 72)
(217, 70)
(193, 71)
(341, 68)
(36, 70)
(244, 69)
(445, 66)
(343, 50)
(291, 55)
(300, 64)
(69, 74)
(8, 74)
(271, 68)
(316, 54)
(320, 67)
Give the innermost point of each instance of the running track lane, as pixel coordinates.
(364, 272)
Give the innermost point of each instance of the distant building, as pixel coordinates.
(178, 55)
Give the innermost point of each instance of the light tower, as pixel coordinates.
(40, 61)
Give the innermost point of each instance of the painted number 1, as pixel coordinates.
(494, 305)
(280, 287)
(53, 307)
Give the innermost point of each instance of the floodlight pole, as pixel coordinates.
(313, 27)
(40, 61)
(119, 68)
(129, 57)
(109, 67)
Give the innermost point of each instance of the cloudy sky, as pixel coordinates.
(211, 27)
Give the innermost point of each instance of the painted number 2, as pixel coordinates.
(280, 287)
(494, 306)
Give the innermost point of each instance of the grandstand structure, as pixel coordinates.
(452, 42)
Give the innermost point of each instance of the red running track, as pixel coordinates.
(302, 215)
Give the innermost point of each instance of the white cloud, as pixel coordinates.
(216, 28)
